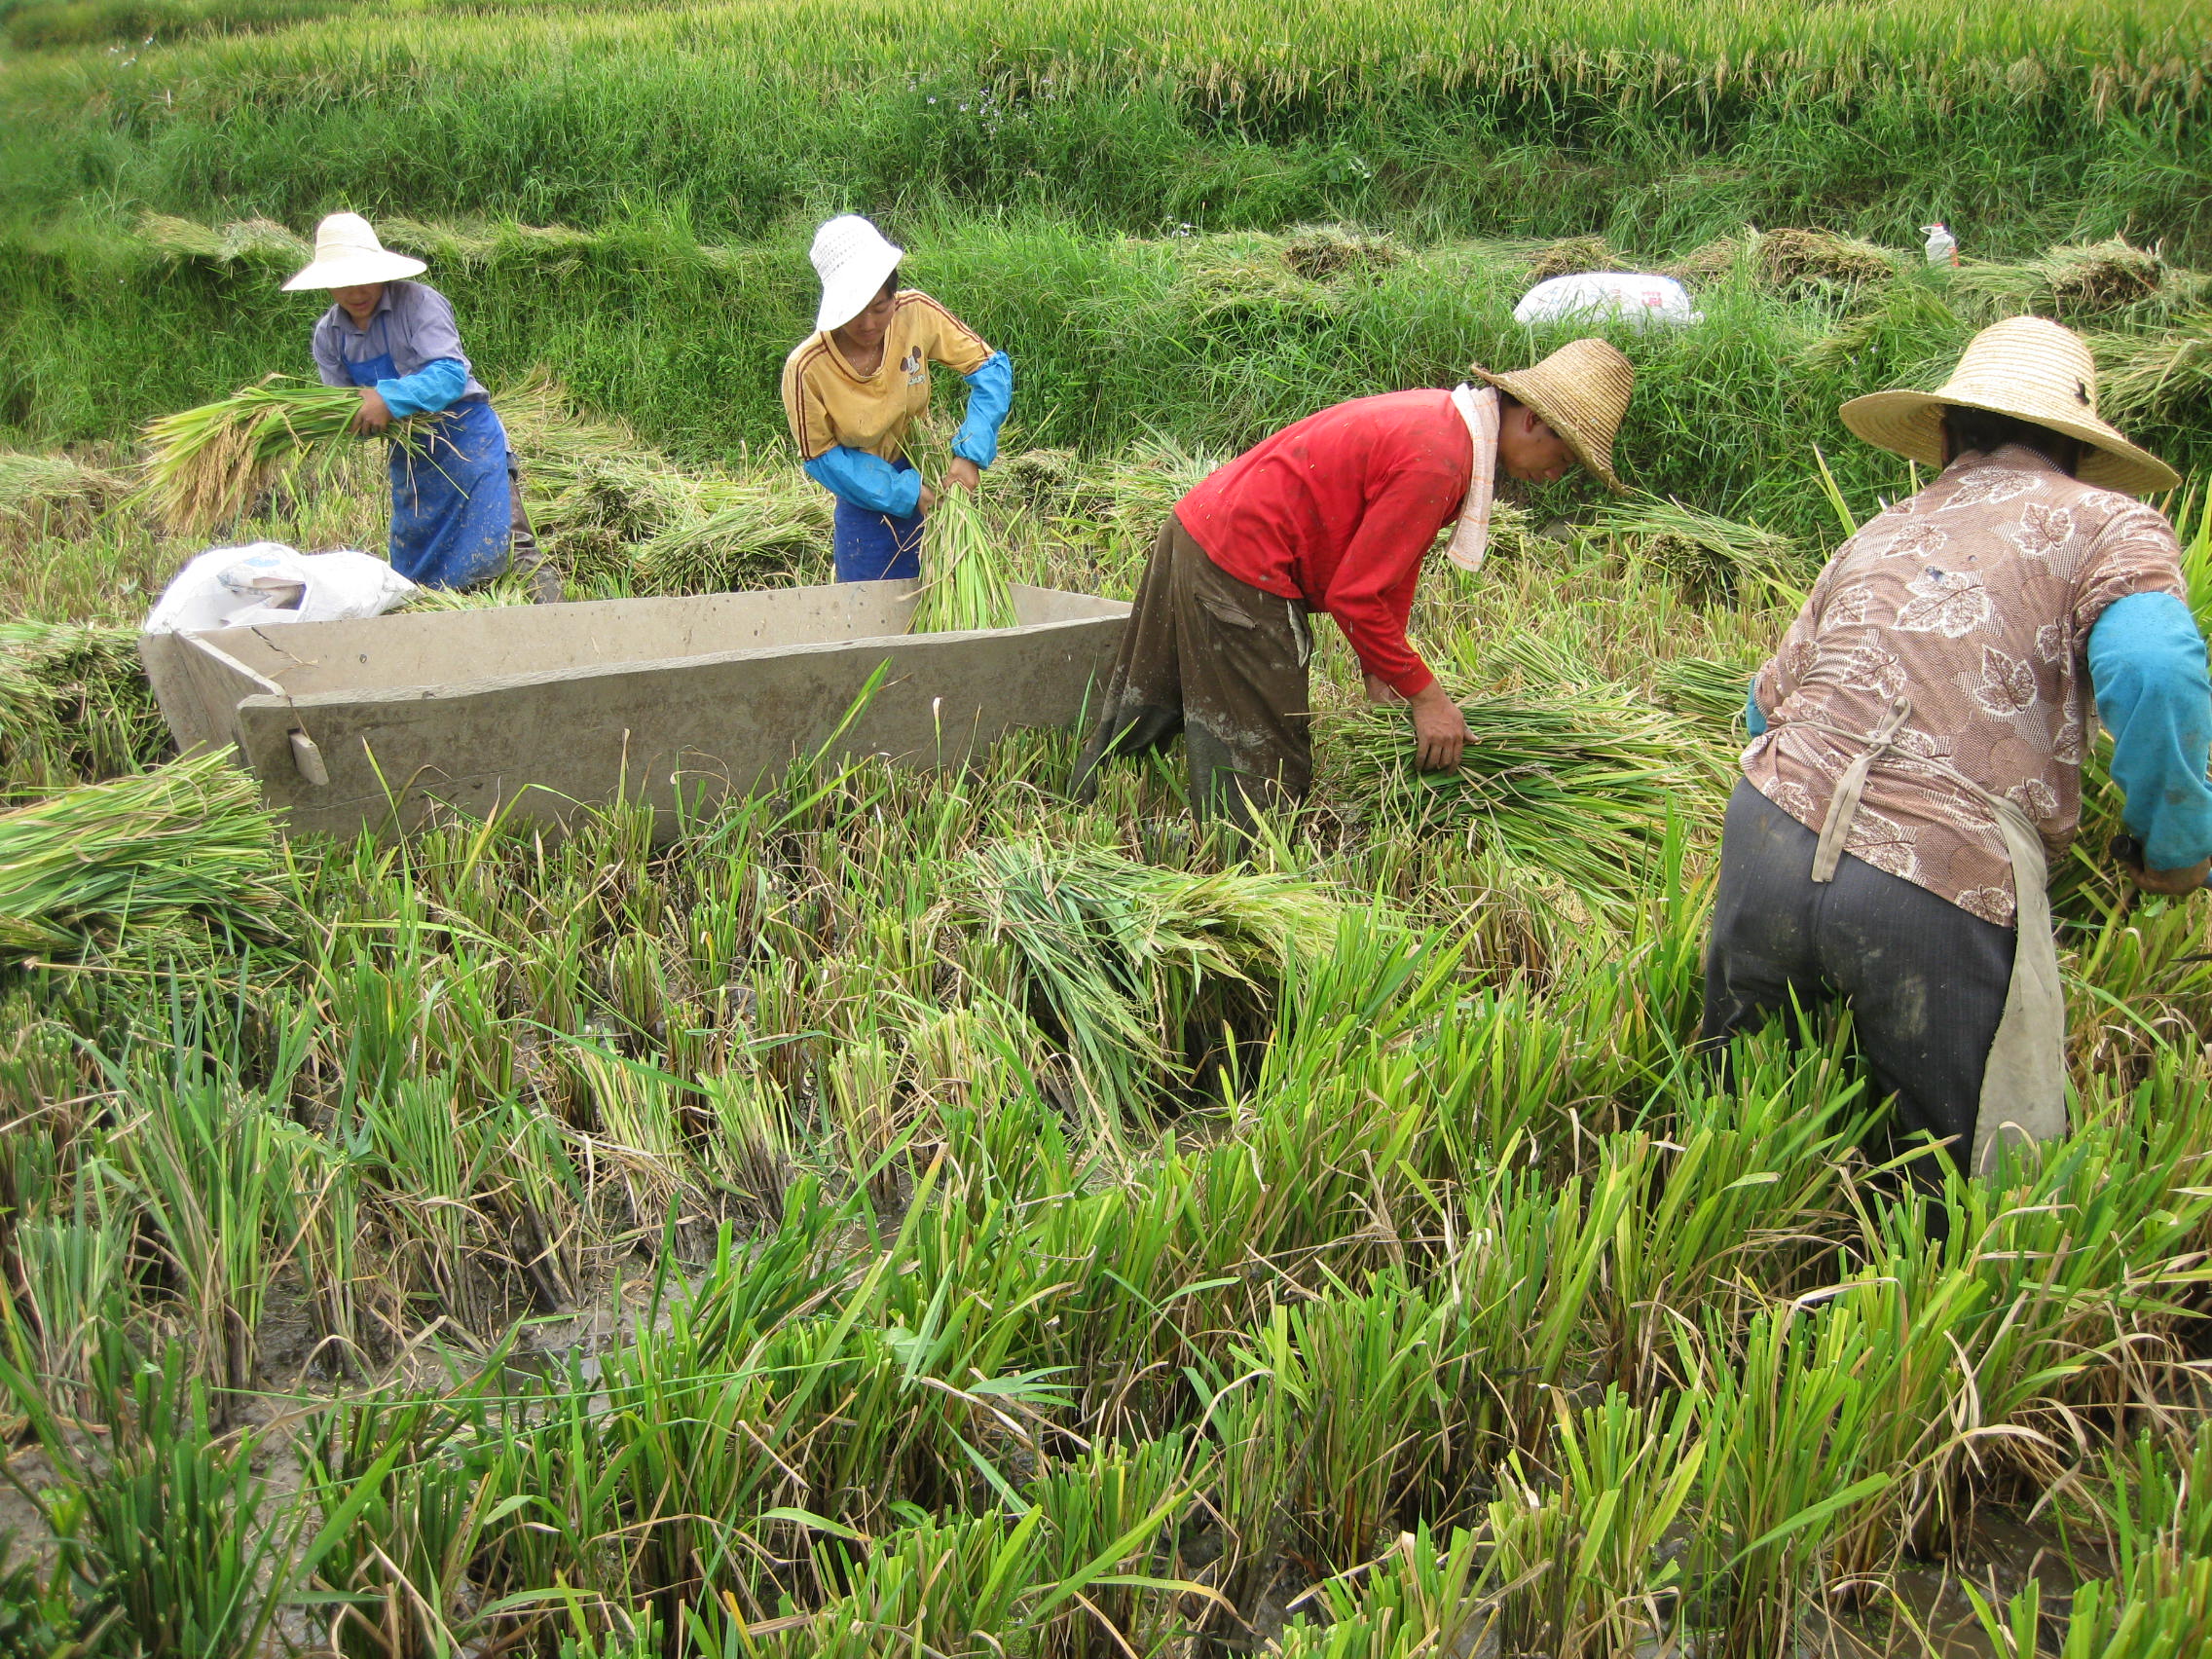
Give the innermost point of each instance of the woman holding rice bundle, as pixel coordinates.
(456, 495)
(854, 387)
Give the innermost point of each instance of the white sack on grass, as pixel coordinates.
(267, 581)
(1608, 296)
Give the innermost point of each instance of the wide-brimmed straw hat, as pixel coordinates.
(853, 260)
(1580, 391)
(2032, 369)
(348, 255)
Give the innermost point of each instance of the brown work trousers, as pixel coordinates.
(1223, 663)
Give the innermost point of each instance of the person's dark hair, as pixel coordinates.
(1983, 432)
(890, 284)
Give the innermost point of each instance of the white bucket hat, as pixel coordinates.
(2028, 367)
(348, 255)
(853, 261)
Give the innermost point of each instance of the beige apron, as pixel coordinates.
(2023, 1086)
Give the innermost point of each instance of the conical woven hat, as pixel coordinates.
(1580, 391)
(348, 255)
(2028, 367)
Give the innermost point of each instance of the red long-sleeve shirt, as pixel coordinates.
(1338, 510)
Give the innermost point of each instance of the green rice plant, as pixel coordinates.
(204, 465)
(174, 1533)
(75, 1275)
(211, 1164)
(175, 861)
(1107, 1515)
(1578, 1564)
(1419, 1598)
(2159, 1597)
(1789, 1464)
(1366, 1410)
(1574, 784)
(966, 586)
(416, 1495)
(941, 1586)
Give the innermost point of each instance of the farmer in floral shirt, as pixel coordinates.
(1916, 757)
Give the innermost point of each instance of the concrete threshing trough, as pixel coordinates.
(535, 709)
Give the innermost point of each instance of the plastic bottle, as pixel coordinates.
(1942, 247)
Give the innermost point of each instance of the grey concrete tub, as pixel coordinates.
(535, 709)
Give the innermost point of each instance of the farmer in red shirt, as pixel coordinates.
(1333, 514)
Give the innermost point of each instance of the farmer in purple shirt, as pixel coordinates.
(456, 495)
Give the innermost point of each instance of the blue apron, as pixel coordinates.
(878, 547)
(451, 508)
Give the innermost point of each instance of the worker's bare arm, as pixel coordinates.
(2170, 880)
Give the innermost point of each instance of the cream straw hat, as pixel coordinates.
(2027, 367)
(853, 260)
(1580, 391)
(348, 255)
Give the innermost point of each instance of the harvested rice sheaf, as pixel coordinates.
(74, 705)
(1706, 688)
(963, 571)
(175, 860)
(1712, 558)
(1573, 256)
(43, 494)
(204, 465)
(1789, 258)
(1576, 783)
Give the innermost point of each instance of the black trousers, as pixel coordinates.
(1925, 981)
(1223, 663)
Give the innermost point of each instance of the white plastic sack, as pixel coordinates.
(267, 581)
(1608, 296)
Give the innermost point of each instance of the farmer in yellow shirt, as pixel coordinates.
(853, 387)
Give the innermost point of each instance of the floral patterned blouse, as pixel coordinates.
(1974, 601)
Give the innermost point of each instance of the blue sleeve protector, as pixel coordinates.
(2147, 667)
(1754, 717)
(429, 388)
(990, 395)
(866, 481)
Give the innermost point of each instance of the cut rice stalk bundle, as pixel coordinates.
(174, 859)
(2080, 279)
(1713, 558)
(1116, 954)
(755, 534)
(204, 465)
(2155, 376)
(74, 705)
(1577, 785)
(42, 494)
(1794, 258)
(1706, 688)
(967, 586)
(1573, 256)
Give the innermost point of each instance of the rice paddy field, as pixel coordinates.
(909, 1214)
